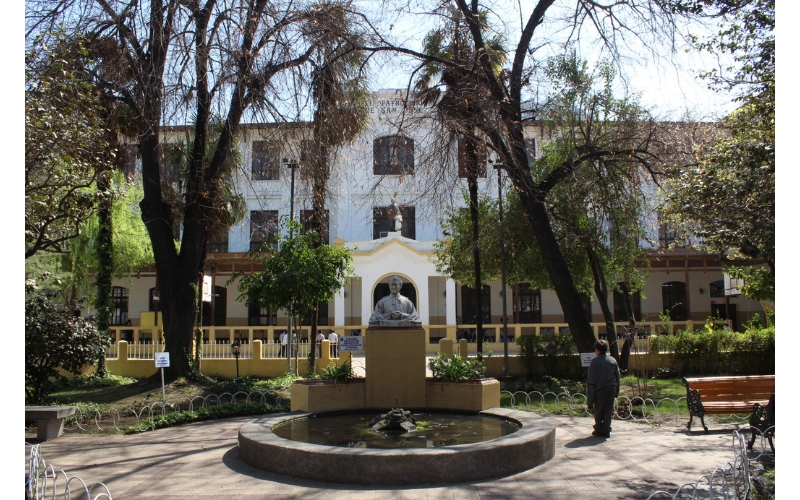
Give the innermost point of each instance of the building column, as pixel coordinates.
(338, 308)
(366, 299)
(422, 298)
(450, 301)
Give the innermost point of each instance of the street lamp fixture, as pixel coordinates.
(235, 351)
(498, 166)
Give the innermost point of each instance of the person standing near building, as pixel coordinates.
(602, 388)
(320, 338)
(284, 339)
(333, 337)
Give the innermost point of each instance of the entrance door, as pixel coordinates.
(719, 310)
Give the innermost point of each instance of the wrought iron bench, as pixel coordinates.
(726, 395)
(49, 420)
(763, 420)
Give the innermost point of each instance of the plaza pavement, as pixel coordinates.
(200, 461)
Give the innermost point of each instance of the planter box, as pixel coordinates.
(324, 395)
(467, 395)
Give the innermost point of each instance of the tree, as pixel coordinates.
(176, 59)
(339, 92)
(299, 275)
(501, 119)
(727, 198)
(64, 142)
(55, 339)
(456, 98)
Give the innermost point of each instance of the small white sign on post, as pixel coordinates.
(162, 361)
(351, 344)
(586, 358)
(206, 288)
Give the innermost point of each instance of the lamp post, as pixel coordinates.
(498, 165)
(235, 351)
(293, 166)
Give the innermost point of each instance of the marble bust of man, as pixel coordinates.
(395, 309)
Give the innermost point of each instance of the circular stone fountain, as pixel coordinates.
(532, 444)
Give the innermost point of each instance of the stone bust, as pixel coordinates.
(395, 309)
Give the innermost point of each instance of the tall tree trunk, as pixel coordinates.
(625, 356)
(471, 159)
(601, 291)
(105, 262)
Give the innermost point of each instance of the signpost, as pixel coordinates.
(162, 361)
(349, 345)
(586, 358)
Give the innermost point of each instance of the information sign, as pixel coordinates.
(350, 344)
(586, 358)
(162, 360)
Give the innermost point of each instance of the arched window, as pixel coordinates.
(393, 155)
(673, 299)
(119, 296)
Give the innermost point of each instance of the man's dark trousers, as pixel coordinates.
(604, 409)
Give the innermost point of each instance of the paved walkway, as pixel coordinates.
(200, 461)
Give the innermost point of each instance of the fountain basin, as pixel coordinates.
(531, 445)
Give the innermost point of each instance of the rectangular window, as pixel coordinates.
(468, 305)
(119, 297)
(393, 155)
(462, 160)
(305, 220)
(527, 304)
(381, 224)
(218, 244)
(530, 150)
(263, 226)
(668, 236)
(322, 315)
(266, 161)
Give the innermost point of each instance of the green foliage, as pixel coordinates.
(64, 142)
(299, 275)
(55, 338)
(455, 368)
(131, 249)
(336, 372)
(225, 410)
(533, 347)
(715, 350)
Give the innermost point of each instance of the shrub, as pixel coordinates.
(455, 368)
(335, 372)
(532, 347)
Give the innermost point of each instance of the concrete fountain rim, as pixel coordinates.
(531, 445)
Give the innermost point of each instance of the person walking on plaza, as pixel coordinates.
(284, 339)
(602, 388)
(334, 339)
(320, 338)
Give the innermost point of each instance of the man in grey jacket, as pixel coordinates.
(603, 388)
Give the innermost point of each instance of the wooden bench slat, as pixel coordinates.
(727, 395)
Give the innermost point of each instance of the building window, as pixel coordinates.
(263, 226)
(673, 299)
(152, 303)
(381, 225)
(119, 298)
(266, 161)
(305, 220)
(393, 155)
(261, 316)
(620, 311)
(462, 160)
(717, 289)
(322, 315)
(527, 304)
(468, 299)
(668, 236)
(530, 150)
(218, 244)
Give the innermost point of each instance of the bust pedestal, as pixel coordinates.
(395, 367)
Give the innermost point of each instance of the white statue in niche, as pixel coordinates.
(395, 309)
